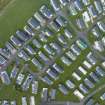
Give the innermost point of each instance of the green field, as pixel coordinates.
(15, 16)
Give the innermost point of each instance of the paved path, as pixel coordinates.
(94, 92)
(6, 7)
(61, 103)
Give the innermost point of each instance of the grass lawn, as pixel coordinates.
(15, 15)
(9, 93)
